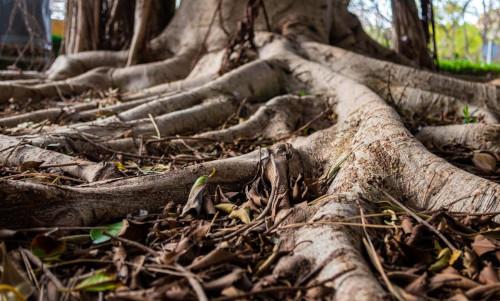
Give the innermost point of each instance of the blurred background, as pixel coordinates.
(465, 34)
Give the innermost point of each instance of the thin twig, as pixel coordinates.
(14, 147)
(372, 253)
(133, 243)
(421, 220)
(298, 225)
(195, 284)
(41, 174)
(305, 126)
(158, 135)
(61, 165)
(105, 148)
(44, 268)
(282, 288)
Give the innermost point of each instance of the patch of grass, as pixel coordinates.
(468, 67)
(56, 44)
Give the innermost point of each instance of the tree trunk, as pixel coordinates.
(109, 24)
(366, 115)
(409, 35)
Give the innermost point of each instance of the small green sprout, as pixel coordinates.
(468, 116)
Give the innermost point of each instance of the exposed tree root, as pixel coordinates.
(55, 205)
(366, 152)
(53, 115)
(325, 250)
(196, 118)
(274, 120)
(379, 74)
(469, 136)
(15, 152)
(67, 66)
(21, 75)
(431, 107)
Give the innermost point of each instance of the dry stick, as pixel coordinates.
(61, 165)
(30, 272)
(195, 284)
(53, 229)
(422, 221)
(235, 114)
(485, 289)
(273, 227)
(457, 200)
(9, 147)
(305, 126)
(458, 213)
(283, 288)
(41, 174)
(377, 226)
(169, 138)
(105, 148)
(338, 222)
(428, 188)
(372, 253)
(158, 135)
(13, 290)
(266, 17)
(14, 147)
(83, 260)
(133, 243)
(162, 271)
(255, 223)
(44, 268)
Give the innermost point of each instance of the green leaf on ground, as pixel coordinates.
(195, 199)
(99, 235)
(98, 283)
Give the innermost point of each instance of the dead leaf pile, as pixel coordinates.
(466, 266)
(218, 246)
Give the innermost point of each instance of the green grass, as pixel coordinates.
(56, 43)
(468, 67)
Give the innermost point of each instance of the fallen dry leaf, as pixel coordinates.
(485, 161)
(482, 245)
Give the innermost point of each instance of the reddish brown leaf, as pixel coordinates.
(482, 245)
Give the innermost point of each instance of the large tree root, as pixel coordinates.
(469, 136)
(422, 107)
(86, 205)
(368, 153)
(15, 152)
(129, 78)
(326, 250)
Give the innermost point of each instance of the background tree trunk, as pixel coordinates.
(409, 36)
(109, 24)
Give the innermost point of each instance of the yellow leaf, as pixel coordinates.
(455, 255)
(225, 207)
(241, 214)
(393, 215)
(120, 166)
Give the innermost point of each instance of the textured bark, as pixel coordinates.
(409, 38)
(365, 112)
